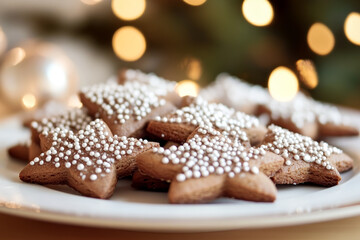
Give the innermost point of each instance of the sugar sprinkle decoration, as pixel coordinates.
(74, 119)
(303, 109)
(157, 84)
(209, 152)
(213, 115)
(92, 151)
(300, 147)
(123, 102)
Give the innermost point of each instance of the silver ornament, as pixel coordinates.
(34, 73)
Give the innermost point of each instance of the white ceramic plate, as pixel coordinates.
(132, 209)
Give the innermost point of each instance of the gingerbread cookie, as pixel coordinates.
(144, 182)
(90, 161)
(74, 120)
(308, 117)
(210, 165)
(153, 82)
(235, 93)
(126, 109)
(303, 114)
(48, 110)
(305, 159)
(178, 125)
(20, 151)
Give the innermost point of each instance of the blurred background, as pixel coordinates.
(48, 49)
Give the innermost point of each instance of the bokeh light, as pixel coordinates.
(3, 41)
(283, 84)
(307, 72)
(91, 2)
(129, 43)
(128, 9)
(187, 88)
(29, 101)
(195, 2)
(193, 68)
(258, 12)
(15, 56)
(320, 39)
(352, 27)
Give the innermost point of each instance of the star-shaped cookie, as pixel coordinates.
(90, 161)
(144, 182)
(302, 114)
(20, 151)
(178, 125)
(209, 165)
(235, 93)
(153, 82)
(127, 108)
(306, 160)
(74, 119)
(308, 117)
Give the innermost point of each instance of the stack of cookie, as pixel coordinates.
(195, 150)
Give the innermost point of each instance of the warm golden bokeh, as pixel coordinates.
(307, 72)
(29, 101)
(320, 39)
(195, 2)
(91, 2)
(194, 69)
(128, 9)
(258, 12)
(352, 27)
(283, 84)
(129, 43)
(187, 88)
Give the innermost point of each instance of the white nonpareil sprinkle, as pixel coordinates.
(88, 161)
(80, 167)
(303, 148)
(160, 85)
(132, 100)
(213, 115)
(234, 92)
(303, 109)
(93, 177)
(210, 153)
(74, 120)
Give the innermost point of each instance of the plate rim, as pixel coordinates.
(166, 225)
